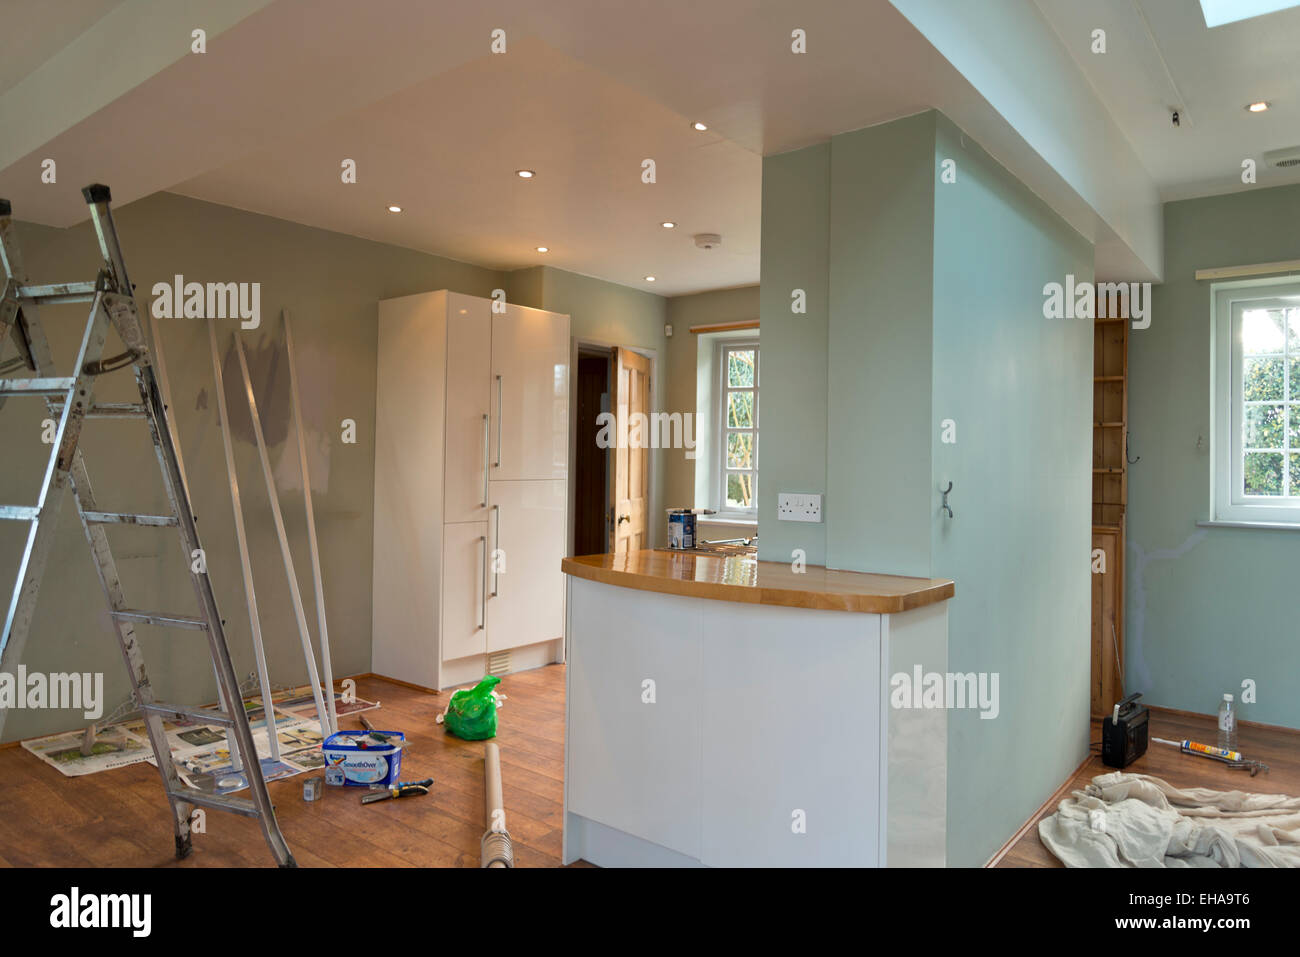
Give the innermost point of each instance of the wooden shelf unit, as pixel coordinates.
(1109, 503)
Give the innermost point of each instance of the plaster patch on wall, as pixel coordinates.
(1136, 673)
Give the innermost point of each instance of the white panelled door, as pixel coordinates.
(469, 405)
(525, 584)
(530, 395)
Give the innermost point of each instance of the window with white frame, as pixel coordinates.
(736, 457)
(1257, 403)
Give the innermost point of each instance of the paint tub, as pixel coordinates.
(681, 528)
(352, 766)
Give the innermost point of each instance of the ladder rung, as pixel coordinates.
(19, 513)
(219, 801)
(206, 715)
(128, 518)
(110, 410)
(160, 618)
(56, 293)
(57, 387)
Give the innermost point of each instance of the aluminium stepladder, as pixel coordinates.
(69, 401)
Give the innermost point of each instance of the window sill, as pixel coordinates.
(733, 522)
(1268, 526)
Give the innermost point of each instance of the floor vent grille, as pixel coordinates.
(498, 663)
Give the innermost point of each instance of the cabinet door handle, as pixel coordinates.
(482, 567)
(500, 421)
(496, 550)
(486, 430)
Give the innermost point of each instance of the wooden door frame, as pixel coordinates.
(605, 347)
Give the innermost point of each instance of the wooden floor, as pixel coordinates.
(1278, 748)
(119, 818)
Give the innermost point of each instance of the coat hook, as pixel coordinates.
(945, 499)
(1130, 461)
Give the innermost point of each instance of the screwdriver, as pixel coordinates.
(398, 790)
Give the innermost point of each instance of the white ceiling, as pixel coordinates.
(586, 91)
(1211, 74)
(34, 30)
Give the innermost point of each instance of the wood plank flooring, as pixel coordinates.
(1279, 748)
(120, 819)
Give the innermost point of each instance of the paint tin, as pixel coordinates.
(311, 788)
(681, 528)
(351, 766)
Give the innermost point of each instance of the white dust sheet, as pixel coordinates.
(1135, 820)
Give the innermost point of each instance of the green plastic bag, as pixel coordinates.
(472, 712)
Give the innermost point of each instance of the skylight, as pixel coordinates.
(1219, 12)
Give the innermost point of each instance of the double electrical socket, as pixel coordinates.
(798, 507)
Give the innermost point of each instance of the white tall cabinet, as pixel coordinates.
(471, 473)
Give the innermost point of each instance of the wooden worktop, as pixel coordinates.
(744, 578)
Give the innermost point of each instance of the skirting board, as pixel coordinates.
(469, 670)
(595, 843)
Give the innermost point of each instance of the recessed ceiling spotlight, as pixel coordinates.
(649, 278)
(525, 173)
(668, 225)
(1259, 107)
(394, 209)
(698, 126)
(543, 249)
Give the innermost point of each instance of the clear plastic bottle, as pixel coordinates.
(1227, 724)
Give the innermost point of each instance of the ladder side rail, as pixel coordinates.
(111, 583)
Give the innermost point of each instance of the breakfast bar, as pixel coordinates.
(726, 711)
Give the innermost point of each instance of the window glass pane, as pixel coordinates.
(1295, 375)
(1263, 427)
(1263, 473)
(740, 410)
(1263, 379)
(740, 450)
(1293, 338)
(740, 368)
(741, 489)
(1295, 474)
(1261, 331)
(1294, 428)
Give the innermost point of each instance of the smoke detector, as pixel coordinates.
(1283, 159)
(707, 240)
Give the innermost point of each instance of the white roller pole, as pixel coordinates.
(289, 572)
(254, 619)
(322, 632)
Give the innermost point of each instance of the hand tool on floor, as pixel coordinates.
(1233, 759)
(399, 790)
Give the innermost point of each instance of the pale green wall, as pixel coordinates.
(877, 506)
(935, 311)
(680, 390)
(795, 255)
(1019, 390)
(332, 283)
(1205, 608)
